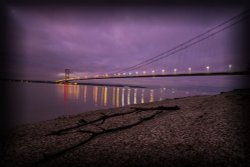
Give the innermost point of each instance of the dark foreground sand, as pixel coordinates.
(205, 131)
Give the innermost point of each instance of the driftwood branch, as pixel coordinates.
(104, 117)
(93, 134)
(83, 122)
(50, 156)
(141, 120)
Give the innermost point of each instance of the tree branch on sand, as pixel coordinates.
(93, 134)
(104, 117)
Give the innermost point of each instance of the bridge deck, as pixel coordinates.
(161, 75)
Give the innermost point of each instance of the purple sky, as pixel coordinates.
(98, 40)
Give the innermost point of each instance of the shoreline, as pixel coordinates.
(78, 83)
(206, 130)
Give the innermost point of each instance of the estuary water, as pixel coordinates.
(34, 102)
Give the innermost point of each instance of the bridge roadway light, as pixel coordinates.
(124, 73)
(175, 70)
(230, 67)
(153, 71)
(189, 69)
(119, 74)
(163, 71)
(207, 67)
(136, 72)
(129, 73)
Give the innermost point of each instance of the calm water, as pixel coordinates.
(33, 102)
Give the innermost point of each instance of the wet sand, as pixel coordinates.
(191, 131)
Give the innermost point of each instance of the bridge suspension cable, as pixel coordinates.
(185, 47)
(188, 43)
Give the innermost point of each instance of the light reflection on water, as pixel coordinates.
(104, 96)
(37, 102)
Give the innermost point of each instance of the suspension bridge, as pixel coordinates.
(139, 70)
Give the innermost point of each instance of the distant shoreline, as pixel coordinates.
(53, 82)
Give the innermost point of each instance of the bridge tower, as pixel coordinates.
(67, 72)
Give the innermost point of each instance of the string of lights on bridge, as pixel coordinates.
(151, 72)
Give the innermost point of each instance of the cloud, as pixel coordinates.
(102, 40)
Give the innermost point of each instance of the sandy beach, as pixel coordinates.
(191, 131)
